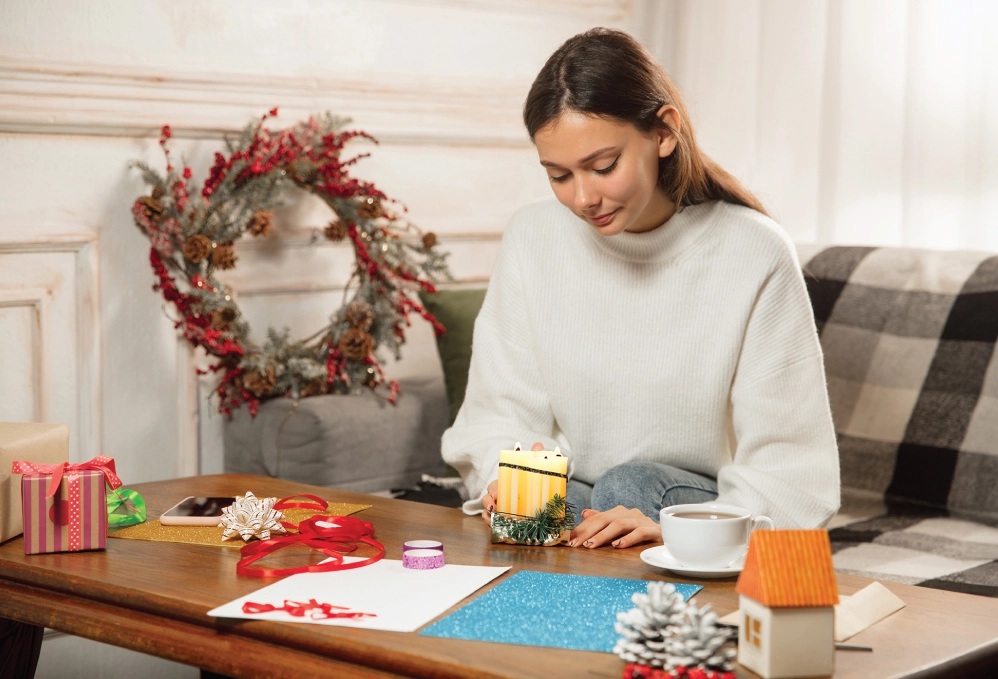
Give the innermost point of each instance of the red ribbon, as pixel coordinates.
(315, 610)
(345, 537)
(317, 503)
(100, 463)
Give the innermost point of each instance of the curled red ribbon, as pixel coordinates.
(317, 503)
(333, 541)
(313, 608)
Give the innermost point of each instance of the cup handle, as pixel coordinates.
(763, 522)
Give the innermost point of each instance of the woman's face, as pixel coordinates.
(606, 171)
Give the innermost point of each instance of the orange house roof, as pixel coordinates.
(789, 568)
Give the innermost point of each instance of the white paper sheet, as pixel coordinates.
(402, 599)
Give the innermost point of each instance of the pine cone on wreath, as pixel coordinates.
(356, 345)
(158, 192)
(260, 384)
(152, 207)
(429, 240)
(222, 318)
(261, 223)
(314, 388)
(197, 248)
(336, 230)
(369, 208)
(223, 257)
(360, 315)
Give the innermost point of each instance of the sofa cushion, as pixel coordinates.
(352, 442)
(909, 343)
(456, 310)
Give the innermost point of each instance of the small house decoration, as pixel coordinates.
(531, 507)
(787, 594)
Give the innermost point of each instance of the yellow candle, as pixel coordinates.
(505, 481)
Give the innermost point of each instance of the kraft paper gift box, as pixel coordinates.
(43, 443)
(65, 506)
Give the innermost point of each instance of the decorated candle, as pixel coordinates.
(529, 479)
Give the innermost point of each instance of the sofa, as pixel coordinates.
(909, 343)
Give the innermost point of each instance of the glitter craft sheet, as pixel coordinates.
(548, 609)
(401, 599)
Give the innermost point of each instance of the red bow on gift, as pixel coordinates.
(332, 541)
(100, 463)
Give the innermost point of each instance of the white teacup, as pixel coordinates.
(708, 535)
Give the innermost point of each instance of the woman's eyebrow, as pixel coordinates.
(594, 154)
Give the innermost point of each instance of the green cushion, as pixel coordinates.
(456, 310)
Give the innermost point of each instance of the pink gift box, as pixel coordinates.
(74, 519)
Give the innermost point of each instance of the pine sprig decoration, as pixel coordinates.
(193, 235)
(544, 528)
(666, 633)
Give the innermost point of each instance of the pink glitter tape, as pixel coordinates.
(422, 544)
(422, 559)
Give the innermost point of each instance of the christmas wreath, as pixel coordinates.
(192, 234)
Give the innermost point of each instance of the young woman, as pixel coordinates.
(652, 321)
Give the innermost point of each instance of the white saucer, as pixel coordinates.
(660, 558)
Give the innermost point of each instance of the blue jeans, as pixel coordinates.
(647, 486)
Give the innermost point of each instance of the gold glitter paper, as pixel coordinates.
(212, 535)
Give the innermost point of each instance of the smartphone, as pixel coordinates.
(196, 511)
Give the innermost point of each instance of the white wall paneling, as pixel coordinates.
(50, 328)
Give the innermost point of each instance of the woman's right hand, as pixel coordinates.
(489, 501)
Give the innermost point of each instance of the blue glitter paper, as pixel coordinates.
(548, 609)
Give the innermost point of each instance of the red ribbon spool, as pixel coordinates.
(333, 541)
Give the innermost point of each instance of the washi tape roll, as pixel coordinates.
(422, 544)
(422, 559)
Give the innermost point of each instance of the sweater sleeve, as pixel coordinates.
(505, 400)
(786, 463)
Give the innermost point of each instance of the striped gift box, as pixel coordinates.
(74, 519)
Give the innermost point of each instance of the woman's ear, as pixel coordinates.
(667, 140)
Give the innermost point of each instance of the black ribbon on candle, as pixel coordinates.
(531, 469)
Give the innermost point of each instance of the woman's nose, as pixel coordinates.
(585, 197)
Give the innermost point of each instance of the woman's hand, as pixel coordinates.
(489, 501)
(620, 526)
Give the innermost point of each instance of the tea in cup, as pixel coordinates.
(708, 535)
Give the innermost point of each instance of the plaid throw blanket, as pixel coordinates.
(909, 340)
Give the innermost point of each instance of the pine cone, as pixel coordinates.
(222, 318)
(360, 315)
(260, 384)
(303, 172)
(336, 230)
(260, 223)
(223, 257)
(197, 248)
(153, 208)
(158, 192)
(356, 345)
(369, 208)
(314, 388)
(429, 240)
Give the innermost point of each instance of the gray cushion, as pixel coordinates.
(357, 442)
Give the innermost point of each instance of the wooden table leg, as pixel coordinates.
(20, 645)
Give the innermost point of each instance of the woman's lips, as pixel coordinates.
(605, 219)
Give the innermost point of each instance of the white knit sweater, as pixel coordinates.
(693, 345)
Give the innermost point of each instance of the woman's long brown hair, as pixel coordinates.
(607, 73)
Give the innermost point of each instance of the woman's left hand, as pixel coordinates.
(620, 526)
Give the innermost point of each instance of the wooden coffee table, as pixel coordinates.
(152, 597)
